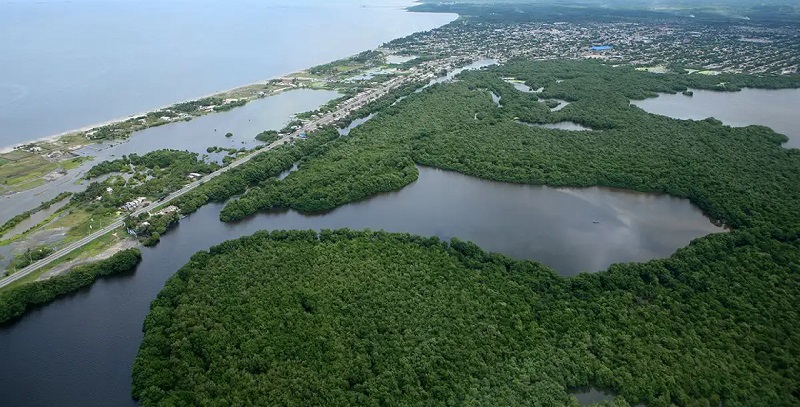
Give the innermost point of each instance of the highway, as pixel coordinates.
(346, 107)
(119, 221)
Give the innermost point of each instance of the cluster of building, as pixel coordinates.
(131, 206)
(730, 48)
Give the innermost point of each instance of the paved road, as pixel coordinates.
(354, 103)
(119, 222)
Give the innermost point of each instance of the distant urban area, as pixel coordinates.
(660, 45)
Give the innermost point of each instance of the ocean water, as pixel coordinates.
(69, 64)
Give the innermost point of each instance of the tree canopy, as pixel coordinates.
(363, 318)
(740, 176)
(371, 318)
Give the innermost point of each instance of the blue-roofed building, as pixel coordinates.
(601, 47)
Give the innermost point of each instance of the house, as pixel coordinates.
(132, 205)
(167, 210)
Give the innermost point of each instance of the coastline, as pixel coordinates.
(54, 137)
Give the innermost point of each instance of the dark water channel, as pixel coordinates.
(78, 351)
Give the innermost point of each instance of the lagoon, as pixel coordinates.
(776, 109)
(79, 349)
(271, 113)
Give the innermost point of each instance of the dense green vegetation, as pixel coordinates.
(740, 176)
(369, 318)
(154, 174)
(267, 136)
(14, 301)
(363, 59)
(362, 318)
(229, 150)
(191, 106)
(259, 169)
(230, 105)
(29, 256)
(149, 229)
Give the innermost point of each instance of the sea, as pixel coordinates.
(68, 64)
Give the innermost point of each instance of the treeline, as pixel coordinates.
(267, 136)
(371, 57)
(260, 168)
(26, 258)
(371, 318)
(351, 169)
(388, 172)
(149, 229)
(740, 176)
(230, 105)
(191, 106)
(15, 301)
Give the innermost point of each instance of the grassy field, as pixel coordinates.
(11, 239)
(23, 167)
(74, 162)
(80, 223)
(26, 185)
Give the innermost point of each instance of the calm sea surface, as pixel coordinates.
(68, 64)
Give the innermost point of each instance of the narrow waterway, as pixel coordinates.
(79, 349)
(569, 126)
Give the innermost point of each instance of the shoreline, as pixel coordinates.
(55, 137)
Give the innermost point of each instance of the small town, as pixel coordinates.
(702, 48)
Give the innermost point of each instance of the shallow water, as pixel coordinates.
(271, 113)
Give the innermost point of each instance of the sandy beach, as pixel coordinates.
(55, 137)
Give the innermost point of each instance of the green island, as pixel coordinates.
(371, 318)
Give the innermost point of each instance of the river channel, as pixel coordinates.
(79, 349)
(776, 109)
